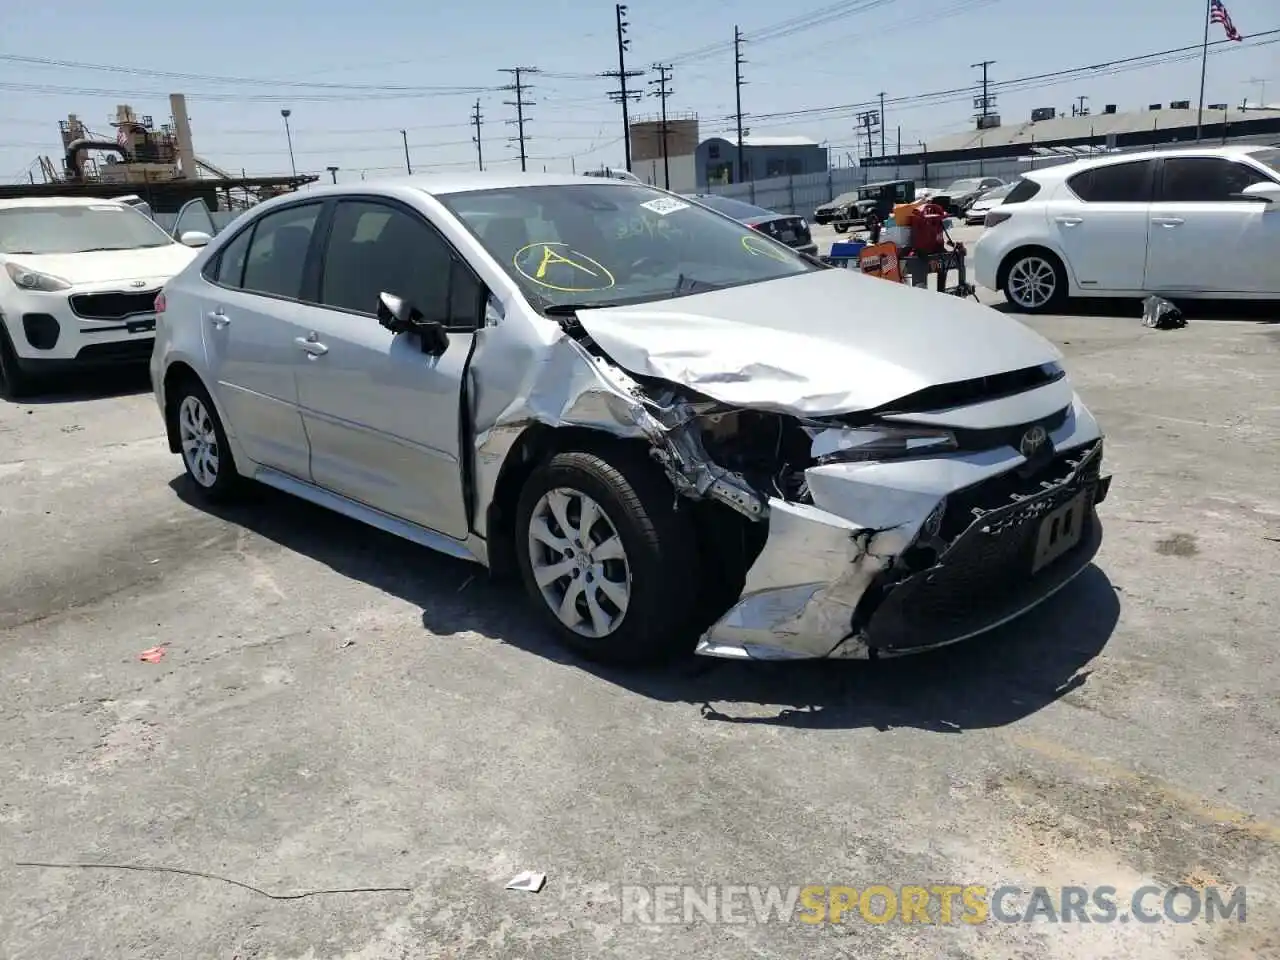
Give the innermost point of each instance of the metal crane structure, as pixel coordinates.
(158, 163)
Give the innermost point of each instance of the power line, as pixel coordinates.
(663, 93)
(519, 87)
(622, 95)
(241, 81)
(476, 120)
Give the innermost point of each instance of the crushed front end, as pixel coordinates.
(878, 558)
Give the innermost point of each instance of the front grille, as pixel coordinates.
(991, 438)
(119, 351)
(113, 305)
(986, 573)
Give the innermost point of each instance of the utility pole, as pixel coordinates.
(662, 93)
(1079, 109)
(738, 61)
(475, 122)
(984, 103)
(1261, 84)
(869, 124)
(882, 123)
(520, 88)
(622, 95)
(407, 165)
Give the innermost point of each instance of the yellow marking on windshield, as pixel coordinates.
(550, 257)
(759, 247)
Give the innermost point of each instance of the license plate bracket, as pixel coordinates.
(1059, 531)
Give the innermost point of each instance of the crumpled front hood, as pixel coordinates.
(817, 344)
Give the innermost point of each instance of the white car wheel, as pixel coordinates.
(579, 562)
(1033, 282)
(199, 441)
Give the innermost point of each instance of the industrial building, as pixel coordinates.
(156, 163)
(1048, 132)
(674, 169)
(762, 159)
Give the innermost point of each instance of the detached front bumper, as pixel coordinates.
(900, 557)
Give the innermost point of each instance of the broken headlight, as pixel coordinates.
(878, 442)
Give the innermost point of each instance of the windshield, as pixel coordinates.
(999, 193)
(734, 208)
(77, 229)
(614, 242)
(1269, 157)
(963, 186)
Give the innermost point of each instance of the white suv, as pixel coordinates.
(1185, 223)
(78, 282)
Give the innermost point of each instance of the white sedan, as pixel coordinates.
(78, 282)
(977, 213)
(1186, 223)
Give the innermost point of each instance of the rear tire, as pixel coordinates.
(1034, 281)
(203, 443)
(621, 587)
(15, 383)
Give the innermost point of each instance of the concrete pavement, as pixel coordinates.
(336, 709)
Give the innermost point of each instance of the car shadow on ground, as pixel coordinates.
(989, 681)
(94, 385)
(1259, 311)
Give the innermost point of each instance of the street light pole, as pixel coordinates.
(333, 172)
(289, 137)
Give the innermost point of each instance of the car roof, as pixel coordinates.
(20, 202)
(1064, 170)
(444, 184)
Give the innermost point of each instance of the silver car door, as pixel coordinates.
(251, 318)
(381, 414)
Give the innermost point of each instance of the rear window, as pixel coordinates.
(1022, 191)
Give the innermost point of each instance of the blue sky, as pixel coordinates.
(451, 55)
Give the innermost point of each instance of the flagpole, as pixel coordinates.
(1204, 62)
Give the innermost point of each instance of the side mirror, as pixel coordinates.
(1264, 192)
(401, 316)
(194, 238)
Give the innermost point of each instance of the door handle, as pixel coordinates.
(219, 319)
(312, 345)
(1068, 221)
(1168, 221)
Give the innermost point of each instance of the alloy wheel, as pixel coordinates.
(1032, 282)
(579, 562)
(199, 440)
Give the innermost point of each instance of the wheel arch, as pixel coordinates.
(1006, 262)
(536, 443)
(176, 374)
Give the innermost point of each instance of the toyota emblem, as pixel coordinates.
(137, 283)
(1031, 442)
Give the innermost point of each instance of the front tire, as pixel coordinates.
(840, 227)
(206, 454)
(607, 558)
(1035, 281)
(15, 383)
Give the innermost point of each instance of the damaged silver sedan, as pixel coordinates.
(682, 434)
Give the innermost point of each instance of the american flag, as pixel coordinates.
(122, 132)
(1218, 14)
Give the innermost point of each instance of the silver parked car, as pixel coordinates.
(682, 434)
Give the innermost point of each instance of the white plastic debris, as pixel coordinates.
(529, 881)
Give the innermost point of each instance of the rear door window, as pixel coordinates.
(1115, 183)
(1206, 179)
(278, 251)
